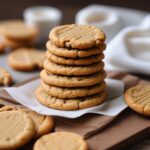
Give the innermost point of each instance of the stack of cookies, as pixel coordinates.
(73, 75)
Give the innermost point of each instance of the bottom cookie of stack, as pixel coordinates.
(69, 104)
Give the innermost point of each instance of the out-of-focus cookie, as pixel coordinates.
(5, 77)
(73, 92)
(12, 44)
(43, 124)
(74, 53)
(61, 141)
(77, 36)
(26, 59)
(69, 104)
(16, 129)
(8, 108)
(72, 81)
(138, 99)
(72, 70)
(18, 30)
(71, 61)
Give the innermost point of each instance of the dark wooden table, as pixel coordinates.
(14, 8)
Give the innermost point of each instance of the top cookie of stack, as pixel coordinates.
(73, 75)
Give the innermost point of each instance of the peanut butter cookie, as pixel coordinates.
(77, 36)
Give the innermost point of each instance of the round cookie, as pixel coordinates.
(74, 53)
(78, 61)
(61, 141)
(26, 59)
(72, 81)
(16, 44)
(138, 99)
(5, 77)
(43, 124)
(8, 108)
(72, 70)
(12, 44)
(73, 92)
(18, 30)
(69, 104)
(77, 36)
(16, 129)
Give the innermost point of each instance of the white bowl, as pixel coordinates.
(44, 18)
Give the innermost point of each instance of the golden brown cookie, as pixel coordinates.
(5, 77)
(9, 108)
(71, 61)
(77, 36)
(72, 81)
(74, 53)
(72, 70)
(138, 99)
(12, 44)
(43, 124)
(18, 30)
(69, 104)
(62, 92)
(61, 141)
(26, 59)
(16, 129)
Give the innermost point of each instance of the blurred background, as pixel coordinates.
(14, 8)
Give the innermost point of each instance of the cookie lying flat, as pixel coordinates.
(5, 77)
(10, 108)
(72, 81)
(43, 124)
(73, 92)
(77, 36)
(74, 53)
(15, 44)
(69, 104)
(61, 141)
(16, 129)
(72, 70)
(138, 99)
(79, 61)
(18, 30)
(26, 59)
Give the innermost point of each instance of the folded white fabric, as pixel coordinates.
(102, 17)
(130, 49)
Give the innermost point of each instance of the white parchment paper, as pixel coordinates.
(113, 105)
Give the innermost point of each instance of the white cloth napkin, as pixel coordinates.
(130, 49)
(102, 17)
(113, 106)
